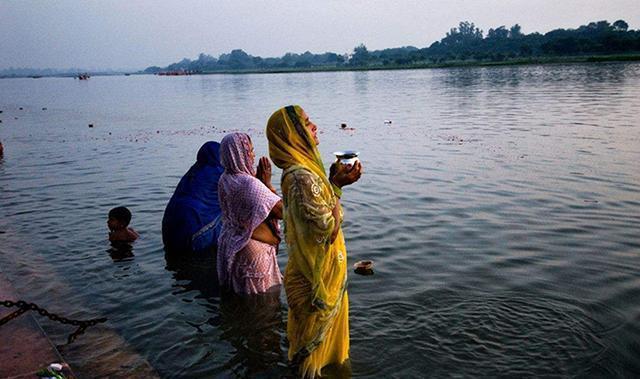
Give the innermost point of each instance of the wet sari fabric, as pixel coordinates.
(244, 265)
(191, 221)
(316, 275)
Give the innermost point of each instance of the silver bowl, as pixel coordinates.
(347, 157)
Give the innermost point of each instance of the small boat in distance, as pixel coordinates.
(84, 76)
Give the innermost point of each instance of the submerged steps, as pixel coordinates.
(25, 348)
(100, 351)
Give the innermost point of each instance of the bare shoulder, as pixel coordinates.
(132, 234)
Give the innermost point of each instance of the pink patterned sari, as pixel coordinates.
(244, 265)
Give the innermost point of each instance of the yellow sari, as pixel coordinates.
(316, 274)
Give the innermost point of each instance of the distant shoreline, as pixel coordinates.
(447, 64)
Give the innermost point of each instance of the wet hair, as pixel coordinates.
(121, 214)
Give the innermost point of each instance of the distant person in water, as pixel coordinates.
(191, 221)
(1, 150)
(118, 223)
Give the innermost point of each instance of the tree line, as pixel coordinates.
(464, 43)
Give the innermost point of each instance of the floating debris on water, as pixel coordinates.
(363, 267)
(455, 139)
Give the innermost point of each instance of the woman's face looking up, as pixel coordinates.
(313, 128)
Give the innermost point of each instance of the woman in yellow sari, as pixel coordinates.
(316, 274)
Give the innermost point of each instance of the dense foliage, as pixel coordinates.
(465, 43)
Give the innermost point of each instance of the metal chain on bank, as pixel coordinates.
(23, 307)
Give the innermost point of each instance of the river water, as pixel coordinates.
(501, 207)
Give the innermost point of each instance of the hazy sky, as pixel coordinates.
(134, 34)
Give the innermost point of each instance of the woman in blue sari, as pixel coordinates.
(191, 221)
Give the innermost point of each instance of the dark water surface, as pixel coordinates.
(501, 207)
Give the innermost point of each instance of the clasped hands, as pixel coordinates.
(263, 173)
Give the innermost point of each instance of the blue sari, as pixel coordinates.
(192, 221)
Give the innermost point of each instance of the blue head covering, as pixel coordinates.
(190, 221)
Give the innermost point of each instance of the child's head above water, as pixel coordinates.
(118, 224)
(119, 218)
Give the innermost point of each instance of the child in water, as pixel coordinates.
(118, 225)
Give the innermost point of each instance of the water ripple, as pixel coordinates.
(498, 335)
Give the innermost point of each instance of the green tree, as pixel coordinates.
(237, 59)
(469, 31)
(464, 33)
(498, 33)
(620, 26)
(515, 31)
(360, 56)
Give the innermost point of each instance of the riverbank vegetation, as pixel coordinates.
(462, 45)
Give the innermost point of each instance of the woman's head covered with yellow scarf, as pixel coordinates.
(290, 141)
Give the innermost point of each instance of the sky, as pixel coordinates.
(135, 34)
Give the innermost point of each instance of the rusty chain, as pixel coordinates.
(23, 307)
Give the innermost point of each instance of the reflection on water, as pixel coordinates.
(500, 206)
(252, 325)
(120, 251)
(194, 272)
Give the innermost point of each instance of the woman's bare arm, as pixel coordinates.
(264, 234)
(276, 211)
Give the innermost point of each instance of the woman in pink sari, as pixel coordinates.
(250, 208)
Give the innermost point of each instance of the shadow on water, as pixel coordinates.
(253, 325)
(194, 272)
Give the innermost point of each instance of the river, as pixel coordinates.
(501, 208)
